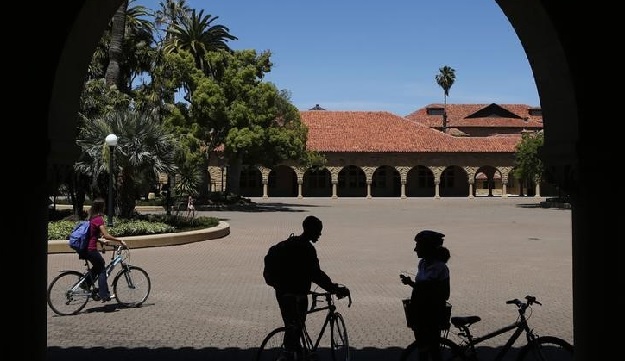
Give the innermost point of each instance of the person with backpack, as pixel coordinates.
(97, 231)
(430, 292)
(291, 267)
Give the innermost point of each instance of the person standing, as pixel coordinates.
(291, 267)
(430, 292)
(97, 231)
(190, 207)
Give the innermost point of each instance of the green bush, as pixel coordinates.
(141, 225)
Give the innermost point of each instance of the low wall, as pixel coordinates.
(156, 240)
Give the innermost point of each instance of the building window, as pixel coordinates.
(435, 111)
(448, 178)
(249, 178)
(424, 178)
(379, 181)
(317, 179)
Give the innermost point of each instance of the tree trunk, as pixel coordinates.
(233, 180)
(126, 195)
(118, 30)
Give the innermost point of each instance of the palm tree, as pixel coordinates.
(171, 12)
(445, 78)
(126, 48)
(145, 149)
(198, 36)
(118, 30)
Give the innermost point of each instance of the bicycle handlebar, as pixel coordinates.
(328, 298)
(530, 300)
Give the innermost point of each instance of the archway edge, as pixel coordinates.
(547, 33)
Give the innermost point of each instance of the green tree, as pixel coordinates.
(445, 79)
(144, 149)
(255, 122)
(528, 165)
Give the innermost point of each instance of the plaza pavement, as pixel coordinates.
(209, 300)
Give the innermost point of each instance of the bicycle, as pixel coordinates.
(272, 347)
(69, 292)
(545, 348)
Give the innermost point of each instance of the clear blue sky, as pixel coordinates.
(380, 55)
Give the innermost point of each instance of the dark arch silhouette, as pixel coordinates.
(49, 79)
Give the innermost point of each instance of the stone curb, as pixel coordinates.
(156, 240)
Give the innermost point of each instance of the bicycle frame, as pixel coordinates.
(116, 259)
(328, 318)
(519, 326)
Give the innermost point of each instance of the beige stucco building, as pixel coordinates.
(380, 154)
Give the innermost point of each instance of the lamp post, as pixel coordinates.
(111, 141)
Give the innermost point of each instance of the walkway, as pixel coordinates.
(209, 301)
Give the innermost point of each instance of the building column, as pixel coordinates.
(334, 184)
(471, 196)
(299, 188)
(437, 183)
(403, 189)
(265, 188)
(368, 189)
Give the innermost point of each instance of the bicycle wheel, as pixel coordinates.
(546, 348)
(272, 346)
(131, 286)
(450, 351)
(65, 297)
(339, 342)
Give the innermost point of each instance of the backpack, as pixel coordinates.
(273, 261)
(79, 238)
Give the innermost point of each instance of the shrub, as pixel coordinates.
(146, 224)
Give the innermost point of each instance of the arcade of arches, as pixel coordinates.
(372, 181)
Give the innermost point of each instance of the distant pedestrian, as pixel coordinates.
(190, 207)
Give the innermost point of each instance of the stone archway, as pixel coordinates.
(547, 33)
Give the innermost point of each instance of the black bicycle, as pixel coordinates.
(69, 292)
(272, 347)
(544, 348)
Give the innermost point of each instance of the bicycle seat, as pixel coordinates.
(460, 321)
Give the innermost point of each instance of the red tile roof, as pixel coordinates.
(380, 131)
(457, 116)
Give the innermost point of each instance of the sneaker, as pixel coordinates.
(108, 298)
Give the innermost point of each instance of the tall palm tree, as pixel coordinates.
(445, 78)
(171, 12)
(126, 48)
(118, 30)
(144, 150)
(198, 36)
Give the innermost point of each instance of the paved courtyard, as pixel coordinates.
(209, 300)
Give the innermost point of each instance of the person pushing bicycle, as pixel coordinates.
(291, 273)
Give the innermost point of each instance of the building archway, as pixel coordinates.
(547, 32)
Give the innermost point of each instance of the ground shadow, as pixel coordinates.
(225, 354)
(264, 207)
